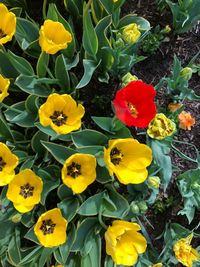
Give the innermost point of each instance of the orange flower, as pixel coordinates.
(186, 120)
(173, 107)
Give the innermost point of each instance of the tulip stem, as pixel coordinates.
(44, 9)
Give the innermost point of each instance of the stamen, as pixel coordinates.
(26, 190)
(132, 109)
(2, 33)
(115, 156)
(2, 164)
(58, 118)
(74, 170)
(47, 227)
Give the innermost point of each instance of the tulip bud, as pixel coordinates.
(127, 78)
(142, 206)
(154, 181)
(186, 73)
(16, 218)
(134, 207)
(195, 185)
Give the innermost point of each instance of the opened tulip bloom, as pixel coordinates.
(50, 228)
(4, 84)
(61, 113)
(8, 162)
(184, 251)
(54, 37)
(79, 171)
(25, 190)
(124, 243)
(7, 24)
(128, 159)
(161, 127)
(134, 104)
(186, 121)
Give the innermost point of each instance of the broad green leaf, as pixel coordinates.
(33, 86)
(42, 64)
(14, 248)
(5, 130)
(31, 104)
(6, 68)
(144, 25)
(64, 192)
(30, 235)
(104, 123)
(89, 67)
(89, 138)
(94, 150)
(59, 152)
(61, 72)
(69, 207)
(36, 142)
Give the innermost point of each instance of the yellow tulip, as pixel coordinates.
(161, 127)
(25, 190)
(62, 113)
(128, 159)
(4, 84)
(50, 228)
(131, 33)
(124, 243)
(184, 251)
(8, 162)
(7, 24)
(79, 171)
(54, 37)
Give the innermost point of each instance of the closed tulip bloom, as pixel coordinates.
(124, 242)
(50, 228)
(4, 85)
(7, 24)
(184, 252)
(161, 127)
(8, 163)
(79, 171)
(25, 190)
(128, 160)
(54, 37)
(61, 113)
(131, 33)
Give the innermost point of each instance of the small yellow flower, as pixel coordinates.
(79, 171)
(54, 37)
(8, 162)
(186, 121)
(62, 113)
(50, 228)
(7, 24)
(115, 1)
(131, 33)
(128, 159)
(25, 190)
(124, 243)
(184, 251)
(4, 84)
(157, 265)
(161, 127)
(186, 73)
(154, 181)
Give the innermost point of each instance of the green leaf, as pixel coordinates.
(36, 142)
(59, 152)
(144, 25)
(84, 228)
(90, 40)
(90, 149)
(28, 164)
(6, 67)
(20, 64)
(61, 72)
(34, 254)
(69, 207)
(25, 119)
(33, 86)
(5, 130)
(91, 206)
(45, 254)
(31, 104)
(89, 67)
(42, 64)
(103, 175)
(30, 235)
(49, 183)
(64, 192)
(14, 248)
(104, 123)
(89, 138)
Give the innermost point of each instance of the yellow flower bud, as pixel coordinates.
(161, 127)
(16, 218)
(186, 73)
(167, 29)
(131, 33)
(127, 78)
(157, 265)
(154, 181)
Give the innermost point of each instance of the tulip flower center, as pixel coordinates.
(26, 190)
(132, 109)
(58, 118)
(2, 164)
(116, 156)
(74, 170)
(47, 227)
(2, 34)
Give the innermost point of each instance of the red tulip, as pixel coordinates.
(134, 104)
